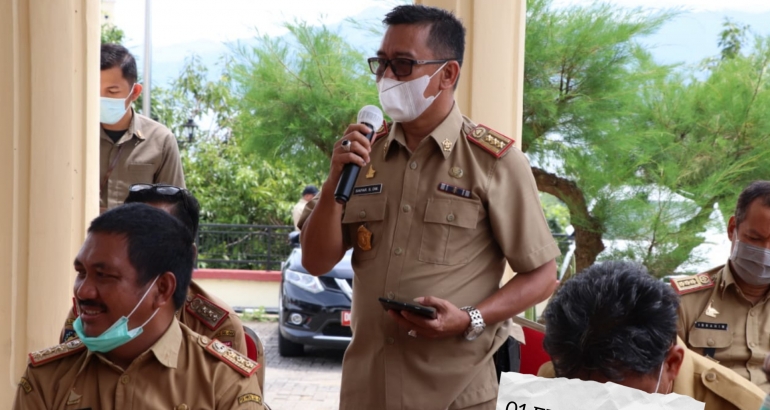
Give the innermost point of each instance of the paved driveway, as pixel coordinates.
(310, 382)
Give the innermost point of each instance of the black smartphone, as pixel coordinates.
(425, 311)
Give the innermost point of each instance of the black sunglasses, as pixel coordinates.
(401, 67)
(163, 189)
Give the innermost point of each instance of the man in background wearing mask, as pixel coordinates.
(133, 148)
(440, 205)
(724, 313)
(132, 353)
(614, 322)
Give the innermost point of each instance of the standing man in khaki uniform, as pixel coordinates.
(725, 314)
(133, 148)
(626, 334)
(131, 352)
(439, 206)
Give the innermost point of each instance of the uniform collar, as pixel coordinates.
(444, 136)
(132, 131)
(166, 349)
(725, 279)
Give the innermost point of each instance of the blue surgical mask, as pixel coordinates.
(111, 110)
(118, 334)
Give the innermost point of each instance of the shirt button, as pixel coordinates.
(398, 251)
(753, 313)
(124, 379)
(710, 377)
(413, 165)
(406, 208)
(362, 214)
(391, 295)
(752, 344)
(711, 342)
(450, 217)
(390, 340)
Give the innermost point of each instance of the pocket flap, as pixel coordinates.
(365, 209)
(714, 338)
(464, 214)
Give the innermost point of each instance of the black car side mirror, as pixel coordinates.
(294, 239)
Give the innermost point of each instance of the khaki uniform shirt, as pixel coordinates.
(146, 153)
(720, 321)
(430, 242)
(705, 381)
(181, 371)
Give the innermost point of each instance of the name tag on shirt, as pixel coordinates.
(713, 326)
(368, 189)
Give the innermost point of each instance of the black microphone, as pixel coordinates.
(370, 116)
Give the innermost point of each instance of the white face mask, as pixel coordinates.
(404, 101)
(750, 263)
(111, 110)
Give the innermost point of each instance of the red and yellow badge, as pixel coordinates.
(691, 284)
(364, 238)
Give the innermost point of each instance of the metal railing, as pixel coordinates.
(264, 247)
(252, 247)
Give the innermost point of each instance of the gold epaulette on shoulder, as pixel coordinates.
(237, 361)
(208, 312)
(691, 284)
(490, 140)
(382, 131)
(55, 353)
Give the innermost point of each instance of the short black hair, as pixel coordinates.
(756, 190)
(115, 55)
(310, 190)
(613, 318)
(447, 34)
(185, 206)
(157, 243)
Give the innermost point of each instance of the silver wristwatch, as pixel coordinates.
(477, 323)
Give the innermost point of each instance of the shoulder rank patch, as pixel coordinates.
(691, 284)
(250, 397)
(24, 384)
(490, 140)
(237, 361)
(57, 352)
(211, 315)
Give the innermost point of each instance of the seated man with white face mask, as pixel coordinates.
(133, 273)
(133, 149)
(614, 322)
(724, 313)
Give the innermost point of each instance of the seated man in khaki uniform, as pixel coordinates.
(204, 313)
(133, 148)
(724, 313)
(614, 322)
(131, 352)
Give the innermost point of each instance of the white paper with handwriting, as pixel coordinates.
(528, 392)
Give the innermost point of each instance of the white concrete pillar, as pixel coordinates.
(49, 114)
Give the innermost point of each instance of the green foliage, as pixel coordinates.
(236, 189)
(642, 153)
(112, 34)
(731, 38)
(297, 95)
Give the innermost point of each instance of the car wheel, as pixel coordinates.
(287, 348)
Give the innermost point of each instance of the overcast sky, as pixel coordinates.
(179, 21)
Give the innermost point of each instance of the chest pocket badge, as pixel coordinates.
(364, 238)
